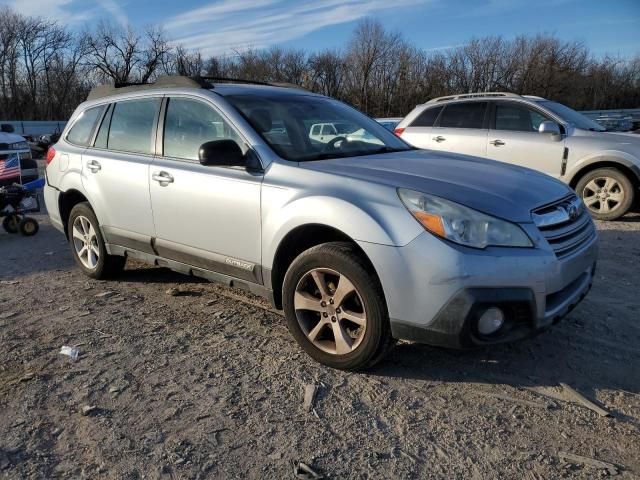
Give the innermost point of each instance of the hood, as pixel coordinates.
(495, 188)
(622, 141)
(10, 138)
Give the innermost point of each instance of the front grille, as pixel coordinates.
(566, 233)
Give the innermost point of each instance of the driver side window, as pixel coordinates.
(517, 118)
(190, 123)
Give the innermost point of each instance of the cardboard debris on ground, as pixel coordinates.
(309, 396)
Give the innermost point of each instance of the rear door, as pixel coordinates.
(514, 138)
(461, 128)
(205, 216)
(418, 132)
(115, 172)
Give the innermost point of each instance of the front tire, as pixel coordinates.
(606, 192)
(87, 245)
(28, 226)
(335, 308)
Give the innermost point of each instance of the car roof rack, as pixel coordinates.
(176, 81)
(474, 95)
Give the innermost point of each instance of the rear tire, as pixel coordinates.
(11, 223)
(87, 245)
(607, 193)
(347, 326)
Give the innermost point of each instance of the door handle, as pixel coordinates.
(164, 178)
(94, 166)
(439, 138)
(497, 143)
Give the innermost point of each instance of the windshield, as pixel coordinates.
(305, 128)
(574, 118)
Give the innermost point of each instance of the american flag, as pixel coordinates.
(10, 167)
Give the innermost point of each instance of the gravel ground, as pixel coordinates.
(209, 384)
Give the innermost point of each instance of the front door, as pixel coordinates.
(205, 216)
(115, 172)
(514, 138)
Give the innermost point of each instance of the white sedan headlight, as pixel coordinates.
(462, 224)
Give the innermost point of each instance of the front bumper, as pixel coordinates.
(436, 291)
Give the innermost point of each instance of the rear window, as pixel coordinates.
(80, 133)
(463, 115)
(427, 118)
(132, 124)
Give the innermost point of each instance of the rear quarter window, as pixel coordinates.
(427, 118)
(82, 129)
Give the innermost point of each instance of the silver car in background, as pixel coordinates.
(603, 167)
(360, 241)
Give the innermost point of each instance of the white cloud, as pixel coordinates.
(69, 12)
(225, 26)
(115, 10)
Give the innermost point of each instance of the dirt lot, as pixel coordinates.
(205, 385)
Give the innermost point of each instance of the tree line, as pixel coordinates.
(46, 69)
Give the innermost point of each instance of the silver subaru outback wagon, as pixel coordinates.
(361, 239)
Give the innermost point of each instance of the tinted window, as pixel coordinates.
(517, 118)
(316, 130)
(463, 115)
(132, 125)
(427, 118)
(189, 124)
(80, 133)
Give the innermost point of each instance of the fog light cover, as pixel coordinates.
(490, 321)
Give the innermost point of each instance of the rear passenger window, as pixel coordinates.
(189, 124)
(427, 118)
(328, 130)
(132, 125)
(463, 115)
(80, 133)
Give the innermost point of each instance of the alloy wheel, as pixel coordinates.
(330, 311)
(85, 242)
(603, 195)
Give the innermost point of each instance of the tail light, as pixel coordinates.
(50, 154)
(399, 131)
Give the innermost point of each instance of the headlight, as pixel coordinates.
(18, 146)
(461, 224)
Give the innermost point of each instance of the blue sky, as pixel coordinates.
(224, 26)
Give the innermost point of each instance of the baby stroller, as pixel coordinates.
(15, 202)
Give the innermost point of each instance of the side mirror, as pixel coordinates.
(221, 153)
(550, 128)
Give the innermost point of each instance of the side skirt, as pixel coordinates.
(185, 269)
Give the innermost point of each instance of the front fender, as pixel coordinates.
(381, 222)
(609, 156)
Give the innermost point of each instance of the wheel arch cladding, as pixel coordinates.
(300, 239)
(631, 171)
(66, 201)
